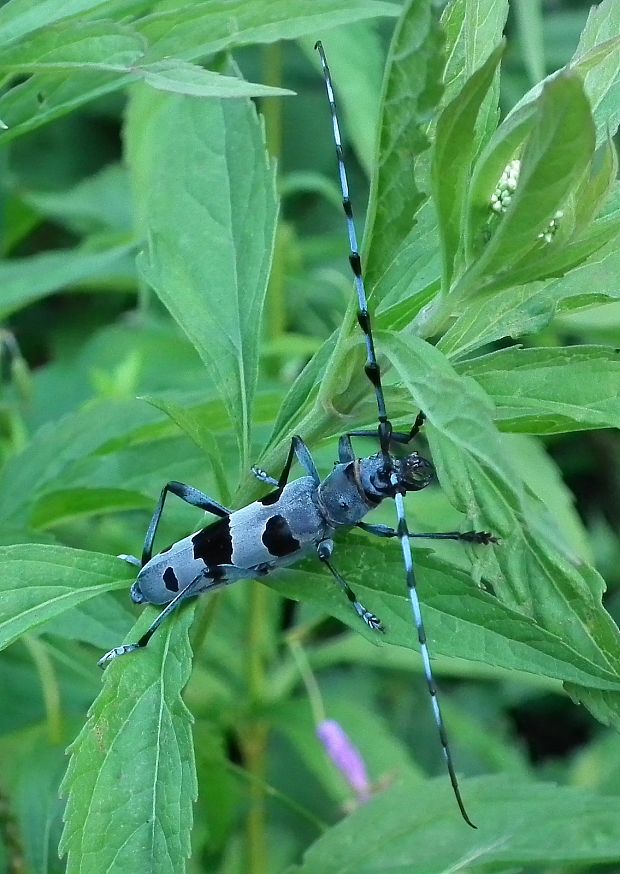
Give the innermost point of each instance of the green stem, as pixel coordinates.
(275, 308)
(284, 799)
(312, 687)
(255, 734)
(204, 621)
(49, 685)
(433, 320)
(272, 107)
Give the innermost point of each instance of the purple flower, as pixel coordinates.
(345, 756)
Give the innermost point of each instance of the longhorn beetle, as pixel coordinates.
(302, 516)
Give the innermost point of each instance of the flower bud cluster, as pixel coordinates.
(506, 187)
(549, 232)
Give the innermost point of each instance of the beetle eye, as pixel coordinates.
(416, 472)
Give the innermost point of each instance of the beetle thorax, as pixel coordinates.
(355, 488)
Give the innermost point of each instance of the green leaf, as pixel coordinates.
(356, 61)
(196, 429)
(518, 311)
(603, 705)
(461, 619)
(100, 201)
(44, 97)
(596, 62)
(37, 807)
(579, 209)
(195, 30)
(526, 309)
(20, 17)
(411, 90)
(522, 824)
(557, 154)
(602, 81)
(529, 20)
(562, 255)
(543, 478)
(530, 571)
(296, 410)
(94, 622)
(473, 29)
(132, 774)
(412, 278)
(25, 280)
(453, 153)
(106, 46)
(506, 142)
(209, 243)
(43, 465)
(599, 189)
(75, 44)
(189, 33)
(591, 282)
(181, 77)
(44, 581)
(551, 391)
(60, 506)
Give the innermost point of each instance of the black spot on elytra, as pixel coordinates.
(170, 580)
(278, 537)
(213, 544)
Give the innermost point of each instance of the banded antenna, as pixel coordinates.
(386, 436)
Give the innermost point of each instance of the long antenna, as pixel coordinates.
(371, 368)
(384, 433)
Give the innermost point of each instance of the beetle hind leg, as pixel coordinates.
(192, 588)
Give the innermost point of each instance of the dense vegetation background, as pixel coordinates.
(105, 397)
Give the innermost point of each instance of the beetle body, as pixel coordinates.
(248, 543)
(273, 532)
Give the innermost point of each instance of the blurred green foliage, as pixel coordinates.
(231, 330)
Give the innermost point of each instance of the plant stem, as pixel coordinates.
(49, 686)
(309, 680)
(275, 309)
(206, 617)
(284, 799)
(255, 734)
